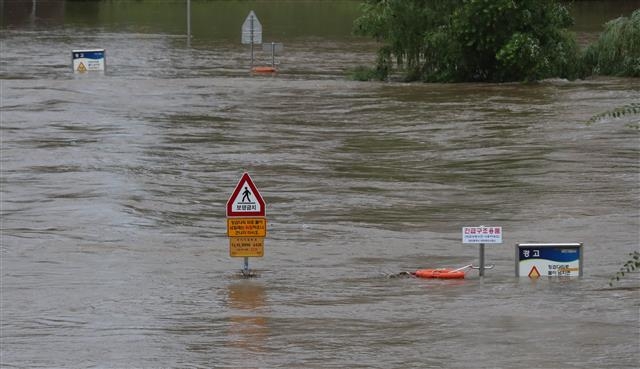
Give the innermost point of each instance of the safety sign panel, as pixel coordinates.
(549, 260)
(481, 234)
(246, 201)
(246, 246)
(92, 60)
(246, 227)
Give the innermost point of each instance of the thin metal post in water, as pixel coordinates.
(481, 266)
(245, 266)
(251, 43)
(188, 23)
(273, 53)
(32, 16)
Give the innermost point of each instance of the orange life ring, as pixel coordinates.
(440, 273)
(263, 69)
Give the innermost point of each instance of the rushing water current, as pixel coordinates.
(114, 251)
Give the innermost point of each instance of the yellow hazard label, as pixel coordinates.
(81, 67)
(246, 227)
(534, 273)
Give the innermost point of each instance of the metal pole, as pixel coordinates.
(32, 16)
(189, 23)
(273, 53)
(481, 267)
(252, 43)
(245, 266)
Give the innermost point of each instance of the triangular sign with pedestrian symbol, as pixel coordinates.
(246, 201)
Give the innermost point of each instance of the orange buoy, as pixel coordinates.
(440, 273)
(263, 69)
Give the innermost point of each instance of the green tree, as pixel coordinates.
(472, 40)
(402, 25)
(617, 51)
(506, 40)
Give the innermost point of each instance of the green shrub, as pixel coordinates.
(401, 25)
(472, 40)
(617, 51)
(504, 40)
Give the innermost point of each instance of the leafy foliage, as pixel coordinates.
(402, 25)
(630, 266)
(504, 40)
(617, 51)
(472, 40)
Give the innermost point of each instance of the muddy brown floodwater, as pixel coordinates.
(114, 251)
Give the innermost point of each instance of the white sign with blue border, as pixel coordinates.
(90, 60)
(536, 260)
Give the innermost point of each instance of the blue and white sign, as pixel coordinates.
(92, 60)
(548, 260)
(482, 234)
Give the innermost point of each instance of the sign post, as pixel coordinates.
(188, 23)
(246, 221)
(535, 260)
(481, 235)
(251, 32)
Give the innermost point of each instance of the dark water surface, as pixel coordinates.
(114, 251)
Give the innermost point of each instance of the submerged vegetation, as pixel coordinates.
(490, 40)
(632, 109)
(629, 266)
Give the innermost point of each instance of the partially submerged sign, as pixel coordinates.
(251, 29)
(482, 234)
(535, 260)
(90, 60)
(246, 222)
(273, 47)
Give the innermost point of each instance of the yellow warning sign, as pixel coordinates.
(534, 273)
(246, 227)
(246, 246)
(81, 68)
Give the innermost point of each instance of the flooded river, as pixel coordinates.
(114, 251)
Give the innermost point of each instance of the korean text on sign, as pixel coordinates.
(482, 234)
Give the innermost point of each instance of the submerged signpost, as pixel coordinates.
(251, 32)
(482, 235)
(273, 48)
(246, 222)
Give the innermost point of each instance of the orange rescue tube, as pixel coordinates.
(263, 69)
(440, 273)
